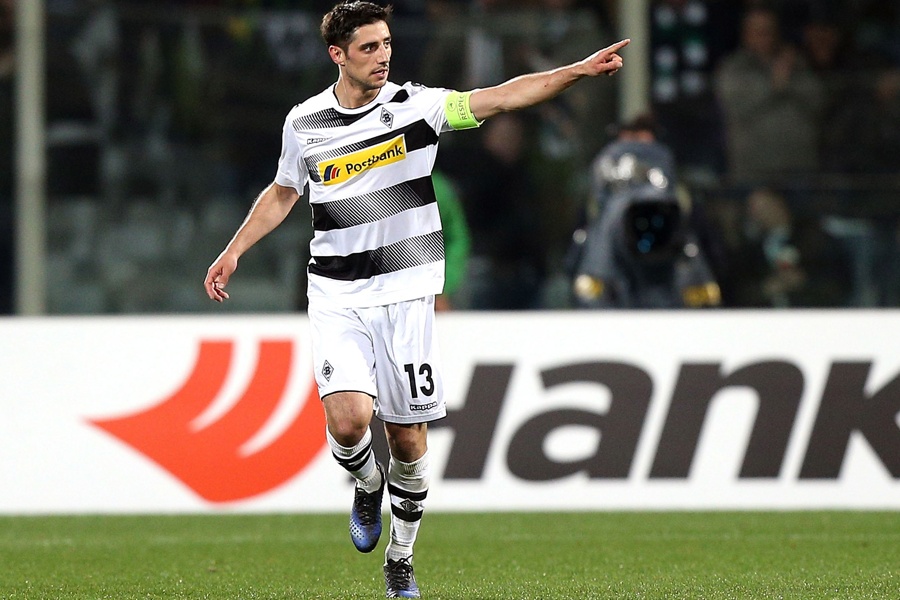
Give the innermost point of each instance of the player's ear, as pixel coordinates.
(337, 54)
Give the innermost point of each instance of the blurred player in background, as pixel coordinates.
(366, 147)
(457, 239)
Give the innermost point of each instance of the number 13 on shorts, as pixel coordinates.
(420, 380)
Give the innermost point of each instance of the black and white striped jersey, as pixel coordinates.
(377, 232)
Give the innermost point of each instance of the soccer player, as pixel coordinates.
(366, 148)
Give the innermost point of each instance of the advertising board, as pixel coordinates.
(547, 411)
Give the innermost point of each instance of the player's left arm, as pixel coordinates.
(528, 90)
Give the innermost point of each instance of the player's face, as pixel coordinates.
(368, 56)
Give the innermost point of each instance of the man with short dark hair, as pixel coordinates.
(366, 147)
(771, 101)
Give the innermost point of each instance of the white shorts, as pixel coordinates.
(388, 352)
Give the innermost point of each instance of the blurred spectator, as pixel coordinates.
(825, 48)
(863, 140)
(772, 101)
(7, 134)
(863, 136)
(831, 56)
(507, 263)
(457, 240)
(788, 260)
(642, 247)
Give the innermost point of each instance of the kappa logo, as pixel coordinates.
(210, 460)
(421, 407)
(344, 168)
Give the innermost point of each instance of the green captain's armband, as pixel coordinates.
(458, 113)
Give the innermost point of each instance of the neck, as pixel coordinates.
(350, 95)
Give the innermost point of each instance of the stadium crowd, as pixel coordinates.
(783, 120)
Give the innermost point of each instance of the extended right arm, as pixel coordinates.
(268, 211)
(527, 90)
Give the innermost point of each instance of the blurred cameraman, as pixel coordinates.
(640, 247)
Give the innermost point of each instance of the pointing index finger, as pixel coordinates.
(617, 46)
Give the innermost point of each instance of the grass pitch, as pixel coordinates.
(515, 556)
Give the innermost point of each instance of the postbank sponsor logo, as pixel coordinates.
(344, 168)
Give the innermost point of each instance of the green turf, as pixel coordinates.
(517, 556)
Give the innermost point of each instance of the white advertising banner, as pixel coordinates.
(547, 411)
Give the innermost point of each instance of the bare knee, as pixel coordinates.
(347, 433)
(348, 415)
(407, 442)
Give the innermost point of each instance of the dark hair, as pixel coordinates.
(642, 122)
(340, 23)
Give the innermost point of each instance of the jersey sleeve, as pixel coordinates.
(291, 168)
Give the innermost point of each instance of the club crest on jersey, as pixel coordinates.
(344, 168)
(387, 118)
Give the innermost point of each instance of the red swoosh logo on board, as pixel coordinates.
(210, 460)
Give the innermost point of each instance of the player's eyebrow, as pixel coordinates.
(370, 45)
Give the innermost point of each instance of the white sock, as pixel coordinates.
(408, 487)
(359, 460)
